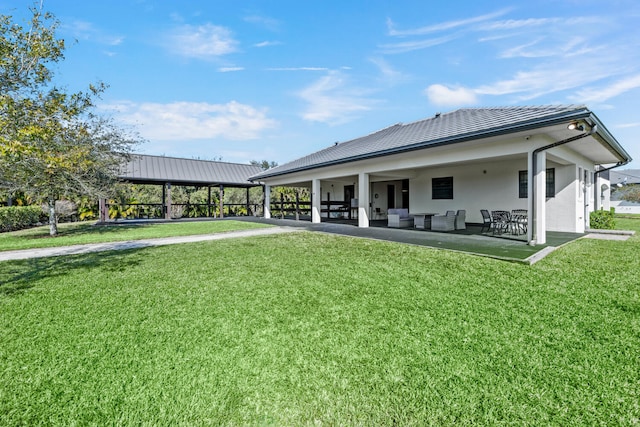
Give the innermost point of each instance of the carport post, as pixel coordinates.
(166, 200)
(247, 201)
(221, 201)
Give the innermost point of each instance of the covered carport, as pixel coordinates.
(168, 171)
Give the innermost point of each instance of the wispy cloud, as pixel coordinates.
(403, 47)
(389, 74)
(229, 69)
(628, 125)
(183, 121)
(517, 24)
(84, 30)
(330, 100)
(298, 69)
(203, 42)
(544, 79)
(267, 43)
(263, 21)
(598, 95)
(443, 26)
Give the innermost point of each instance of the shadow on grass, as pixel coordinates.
(19, 276)
(82, 230)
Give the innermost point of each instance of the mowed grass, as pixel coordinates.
(316, 329)
(86, 232)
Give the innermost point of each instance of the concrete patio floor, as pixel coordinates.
(469, 240)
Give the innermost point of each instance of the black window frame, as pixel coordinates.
(442, 188)
(550, 183)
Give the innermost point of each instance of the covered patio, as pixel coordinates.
(469, 241)
(172, 171)
(547, 162)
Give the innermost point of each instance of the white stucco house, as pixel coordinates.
(546, 159)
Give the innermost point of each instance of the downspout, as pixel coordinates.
(534, 167)
(596, 194)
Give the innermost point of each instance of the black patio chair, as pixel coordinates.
(501, 221)
(519, 221)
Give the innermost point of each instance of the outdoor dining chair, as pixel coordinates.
(486, 220)
(501, 221)
(519, 221)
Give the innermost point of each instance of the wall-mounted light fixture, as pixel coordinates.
(575, 126)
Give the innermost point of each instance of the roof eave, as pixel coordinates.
(607, 138)
(582, 113)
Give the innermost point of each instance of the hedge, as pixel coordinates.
(602, 220)
(19, 217)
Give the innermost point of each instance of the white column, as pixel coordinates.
(267, 201)
(316, 197)
(363, 200)
(530, 202)
(540, 198)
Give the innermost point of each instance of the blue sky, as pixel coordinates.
(279, 79)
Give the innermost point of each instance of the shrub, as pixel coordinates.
(19, 217)
(602, 220)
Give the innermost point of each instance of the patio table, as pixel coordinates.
(422, 220)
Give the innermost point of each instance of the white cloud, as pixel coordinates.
(516, 24)
(203, 42)
(266, 43)
(628, 125)
(298, 69)
(182, 121)
(331, 101)
(84, 30)
(264, 21)
(443, 25)
(391, 48)
(388, 72)
(448, 97)
(229, 69)
(617, 88)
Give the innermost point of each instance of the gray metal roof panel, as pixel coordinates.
(445, 128)
(146, 168)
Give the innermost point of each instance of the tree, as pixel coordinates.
(264, 164)
(52, 145)
(630, 193)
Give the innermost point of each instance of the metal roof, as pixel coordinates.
(146, 169)
(625, 176)
(457, 126)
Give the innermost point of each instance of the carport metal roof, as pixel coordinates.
(147, 169)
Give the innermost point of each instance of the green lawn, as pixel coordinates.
(85, 232)
(317, 329)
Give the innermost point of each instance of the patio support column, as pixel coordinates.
(539, 199)
(316, 197)
(102, 210)
(247, 201)
(166, 196)
(266, 189)
(221, 201)
(208, 201)
(363, 200)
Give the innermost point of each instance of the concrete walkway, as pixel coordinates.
(135, 244)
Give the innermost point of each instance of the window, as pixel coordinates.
(522, 184)
(550, 180)
(550, 183)
(442, 188)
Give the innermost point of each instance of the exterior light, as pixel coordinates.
(575, 126)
